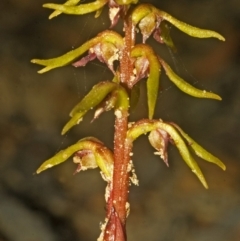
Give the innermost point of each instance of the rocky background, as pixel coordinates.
(170, 204)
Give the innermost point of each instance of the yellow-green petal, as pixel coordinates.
(188, 29)
(68, 3)
(64, 59)
(77, 10)
(183, 150)
(153, 77)
(200, 151)
(186, 87)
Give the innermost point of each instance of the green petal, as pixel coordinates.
(76, 119)
(77, 10)
(64, 59)
(184, 152)
(186, 87)
(188, 29)
(68, 3)
(200, 151)
(154, 73)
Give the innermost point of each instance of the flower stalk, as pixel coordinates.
(134, 63)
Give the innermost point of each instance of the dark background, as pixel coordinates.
(170, 203)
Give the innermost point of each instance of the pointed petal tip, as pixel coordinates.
(216, 97)
(222, 166)
(46, 5)
(203, 181)
(40, 169)
(42, 71)
(51, 17)
(64, 131)
(220, 37)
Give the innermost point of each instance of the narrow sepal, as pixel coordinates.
(200, 151)
(186, 87)
(142, 50)
(184, 152)
(188, 29)
(77, 10)
(67, 3)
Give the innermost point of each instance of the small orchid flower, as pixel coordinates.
(105, 52)
(89, 153)
(148, 18)
(109, 41)
(161, 133)
(98, 93)
(116, 8)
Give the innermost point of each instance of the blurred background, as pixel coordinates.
(170, 203)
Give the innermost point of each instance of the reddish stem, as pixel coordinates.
(117, 203)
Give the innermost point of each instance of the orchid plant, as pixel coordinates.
(129, 63)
